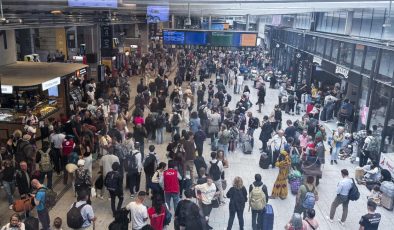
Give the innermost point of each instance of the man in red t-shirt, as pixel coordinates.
(68, 146)
(170, 184)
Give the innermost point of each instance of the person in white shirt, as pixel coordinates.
(139, 212)
(217, 180)
(57, 144)
(106, 166)
(135, 178)
(205, 193)
(240, 82)
(277, 144)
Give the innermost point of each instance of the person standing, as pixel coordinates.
(306, 197)
(106, 163)
(276, 118)
(134, 169)
(215, 170)
(338, 138)
(371, 220)
(261, 98)
(312, 223)
(139, 136)
(39, 201)
(86, 211)
(187, 214)
(199, 138)
(150, 164)
(238, 197)
(260, 198)
(45, 163)
(8, 172)
(277, 144)
(15, 223)
(57, 140)
(343, 189)
(190, 154)
(224, 138)
(139, 212)
(205, 194)
(157, 213)
(280, 187)
(170, 184)
(114, 183)
(22, 180)
(266, 132)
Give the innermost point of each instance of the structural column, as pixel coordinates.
(247, 22)
(210, 22)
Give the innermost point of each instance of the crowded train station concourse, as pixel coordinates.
(196, 115)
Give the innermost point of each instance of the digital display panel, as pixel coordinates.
(156, 14)
(53, 91)
(195, 38)
(173, 37)
(248, 39)
(221, 39)
(93, 3)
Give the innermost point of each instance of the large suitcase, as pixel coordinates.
(265, 161)
(268, 218)
(387, 187)
(31, 223)
(247, 147)
(387, 202)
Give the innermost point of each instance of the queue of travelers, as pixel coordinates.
(184, 187)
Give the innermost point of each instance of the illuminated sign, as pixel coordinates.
(48, 84)
(342, 71)
(6, 89)
(317, 60)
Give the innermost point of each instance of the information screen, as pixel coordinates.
(157, 14)
(93, 3)
(195, 38)
(174, 37)
(53, 91)
(248, 39)
(221, 39)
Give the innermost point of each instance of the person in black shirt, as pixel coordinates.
(187, 214)
(371, 220)
(291, 130)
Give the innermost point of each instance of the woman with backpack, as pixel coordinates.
(158, 213)
(238, 197)
(82, 180)
(43, 158)
(306, 197)
(280, 187)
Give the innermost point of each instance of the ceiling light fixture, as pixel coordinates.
(56, 12)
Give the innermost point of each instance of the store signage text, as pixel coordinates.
(387, 163)
(82, 71)
(342, 71)
(48, 84)
(317, 60)
(6, 89)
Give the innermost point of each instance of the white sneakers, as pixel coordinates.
(340, 222)
(332, 221)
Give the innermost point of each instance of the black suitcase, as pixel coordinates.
(265, 161)
(268, 218)
(31, 223)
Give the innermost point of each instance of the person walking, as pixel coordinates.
(258, 197)
(114, 183)
(187, 214)
(306, 197)
(83, 181)
(341, 198)
(8, 172)
(170, 184)
(86, 210)
(138, 211)
(266, 132)
(338, 138)
(157, 213)
(39, 201)
(280, 187)
(215, 170)
(199, 138)
(238, 197)
(150, 163)
(205, 194)
(312, 223)
(371, 220)
(105, 164)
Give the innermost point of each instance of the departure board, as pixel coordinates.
(195, 38)
(221, 39)
(248, 39)
(173, 37)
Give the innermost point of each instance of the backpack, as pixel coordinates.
(225, 137)
(45, 162)
(214, 171)
(149, 164)
(202, 113)
(373, 145)
(255, 122)
(354, 194)
(175, 120)
(278, 115)
(50, 198)
(291, 98)
(257, 199)
(131, 163)
(122, 220)
(82, 178)
(309, 199)
(111, 181)
(160, 121)
(74, 217)
(295, 157)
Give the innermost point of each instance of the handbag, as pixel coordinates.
(23, 205)
(215, 203)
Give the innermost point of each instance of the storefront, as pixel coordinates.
(43, 88)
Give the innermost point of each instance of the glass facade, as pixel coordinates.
(346, 54)
(386, 68)
(320, 46)
(358, 57)
(372, 54)
(327, 51)
(335, 51)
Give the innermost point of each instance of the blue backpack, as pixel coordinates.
(309, 199)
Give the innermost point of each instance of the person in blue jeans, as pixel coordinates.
(8, 171)
(39, 200)
(257, 215)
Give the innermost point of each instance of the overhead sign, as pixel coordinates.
(51, 83)
(106, 40)
(317, 60)
(6, 89)
(386, 162)
(342, 71)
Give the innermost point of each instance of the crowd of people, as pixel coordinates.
(184, 186)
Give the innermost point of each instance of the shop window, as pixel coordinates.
(380, 106)
(358, 57)
(366, 23)
(386, 68)
(369, 58)
(324, 22)
(335, 22)
(345, 57)
(310, 43)
(388, 131)
(356, 22)
(335, 50)
(330, 16)
(342, 22)
(377, 23)
(320, 46)
(388, 32)
(327, 52)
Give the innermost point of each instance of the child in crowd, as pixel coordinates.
(375, 195)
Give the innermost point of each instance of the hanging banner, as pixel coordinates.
(106, 41)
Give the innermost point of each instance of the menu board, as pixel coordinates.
(248, 39)
(173, 37)
(195, 38)
(221, 39)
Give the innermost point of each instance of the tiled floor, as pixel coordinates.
(244, 166)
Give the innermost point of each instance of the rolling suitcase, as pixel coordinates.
(265, 161)
(268, 218)
(247, 147)
(387, 202)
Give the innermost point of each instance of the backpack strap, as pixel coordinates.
(310, 225)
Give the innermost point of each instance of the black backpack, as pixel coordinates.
(278, 115)
(354, 194)
(122, 220)
(131, 163)
(255, 123)
(111, 181)
(175, 120)
(149, 164)
(74, 217)
(214, 171)
(202, 113)
(160, 121)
